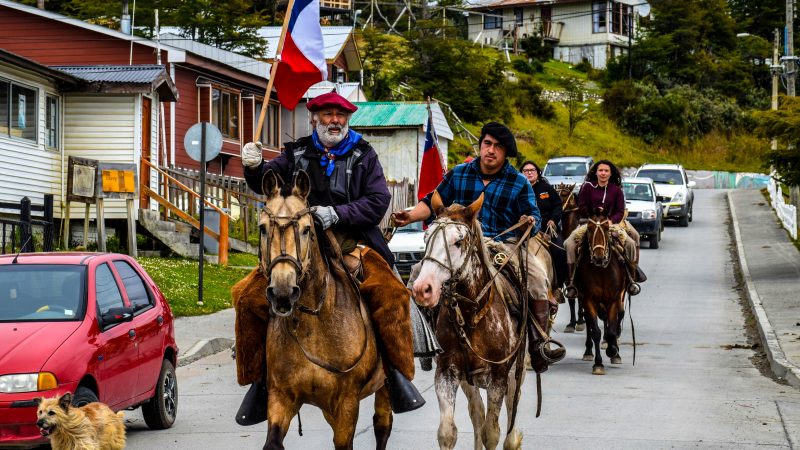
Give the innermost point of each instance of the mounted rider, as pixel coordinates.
(508, 198)
(550, 207)
(602, 190)
(348, 195)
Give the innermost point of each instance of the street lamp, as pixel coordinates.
(355, 17)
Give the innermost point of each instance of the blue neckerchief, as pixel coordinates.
(330, 154)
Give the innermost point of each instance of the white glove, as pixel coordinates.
(251, 155)
(326, 215)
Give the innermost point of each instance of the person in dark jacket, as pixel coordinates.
(349, 195)
(549, 203)
(602, 190)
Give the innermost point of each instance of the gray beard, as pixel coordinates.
(327, 139)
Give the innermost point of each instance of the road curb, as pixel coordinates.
(780, 366)
(203, 348)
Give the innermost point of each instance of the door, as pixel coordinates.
(547, 17)
(118, 371)
(144, 171)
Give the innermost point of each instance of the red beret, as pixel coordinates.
(328, 100)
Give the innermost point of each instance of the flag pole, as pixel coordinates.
(286, 19)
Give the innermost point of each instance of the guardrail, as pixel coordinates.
(787, 213)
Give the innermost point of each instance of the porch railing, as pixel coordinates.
(17, 235)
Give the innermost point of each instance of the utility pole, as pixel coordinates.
(790, 65)
(776, 73)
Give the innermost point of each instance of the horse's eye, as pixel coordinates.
(306, 230)
(458, 243)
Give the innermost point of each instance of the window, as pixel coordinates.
(138, 294)
(225, 112)
(18, 111)
(492, 20)
(51, 121)
(620, 18)
(270, 132)
(518, 17)
(106, 290)
(599, 17)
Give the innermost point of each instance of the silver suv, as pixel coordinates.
(674, 190)
(567, 170)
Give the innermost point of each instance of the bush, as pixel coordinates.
(584, 66)
(522, 66)
(528, 99)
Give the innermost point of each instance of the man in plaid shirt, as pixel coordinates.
(508, 198)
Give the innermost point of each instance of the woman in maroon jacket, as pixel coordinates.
(602, 190)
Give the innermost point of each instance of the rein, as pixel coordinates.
(604, 240)
(293, 221)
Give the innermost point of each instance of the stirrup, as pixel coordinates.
(543, 351)
(403, 395)
(571, 291)
(254, 406)
(634, 289)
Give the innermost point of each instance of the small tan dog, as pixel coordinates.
(90, 427)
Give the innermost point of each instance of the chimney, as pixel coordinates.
(125, 24)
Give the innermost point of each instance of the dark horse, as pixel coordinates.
(321, 349)
(602, 281)
(570, 219)
(476, 331)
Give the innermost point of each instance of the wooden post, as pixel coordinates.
(101, 227)
(47, 241)
(66, 233)
(86, 227)
(26, 231)
(223, 240)
(132, 250)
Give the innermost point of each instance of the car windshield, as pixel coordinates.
(415, 227)
(32, 293)
(662, 176)
(565, 169)
(637, 191)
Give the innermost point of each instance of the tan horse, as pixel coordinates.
(321, 349)
(477, 332)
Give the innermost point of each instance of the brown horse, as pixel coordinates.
(602, 281)
(321, 349)
(476, 331)
(570, 218)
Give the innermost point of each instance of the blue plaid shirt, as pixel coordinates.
(507, 196)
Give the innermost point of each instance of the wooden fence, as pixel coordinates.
(18, 235)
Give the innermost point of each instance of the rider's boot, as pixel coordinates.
(253, 409)
(638, 276)
(541, 353)
(388, 302)
(570, 291)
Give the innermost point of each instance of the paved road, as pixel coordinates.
(691, 386)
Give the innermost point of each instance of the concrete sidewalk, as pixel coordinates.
(770, 266)
(200, 336)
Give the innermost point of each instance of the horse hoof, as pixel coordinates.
(580, 327)
(598, 370)
(569, 329)
(588, 357)
(616, 360)
(604, 345)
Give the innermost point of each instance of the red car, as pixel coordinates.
(93, 324)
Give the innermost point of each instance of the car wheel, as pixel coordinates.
(691, 213)
(654, 240)
(683, 221)
(83, 396)
(159, 412)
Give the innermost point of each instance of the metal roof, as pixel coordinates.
(144, 78)
(232, 59)
(400, 115)
(335, 40)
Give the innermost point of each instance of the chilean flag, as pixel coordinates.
(431, 172)
(302, 58)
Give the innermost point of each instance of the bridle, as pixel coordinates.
(438, 229)
(598, 228)
(294, 222)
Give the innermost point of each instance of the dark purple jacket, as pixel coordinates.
(368, 191)
(610, 197)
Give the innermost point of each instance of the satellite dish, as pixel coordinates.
(643, 10)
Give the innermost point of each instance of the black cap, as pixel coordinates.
(503, 135)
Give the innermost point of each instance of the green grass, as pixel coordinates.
(178, 280)
(242, 259)
(555, 72)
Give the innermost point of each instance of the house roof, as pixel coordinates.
(124, 79)
(499, 4)
(174, 54)
(400, 115)
(29, 64)
(338, 40)
(235, 60)
(323, 87)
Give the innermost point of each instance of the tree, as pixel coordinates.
(385, 57)
(577, 108)
(758, 17)
(783, 125)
